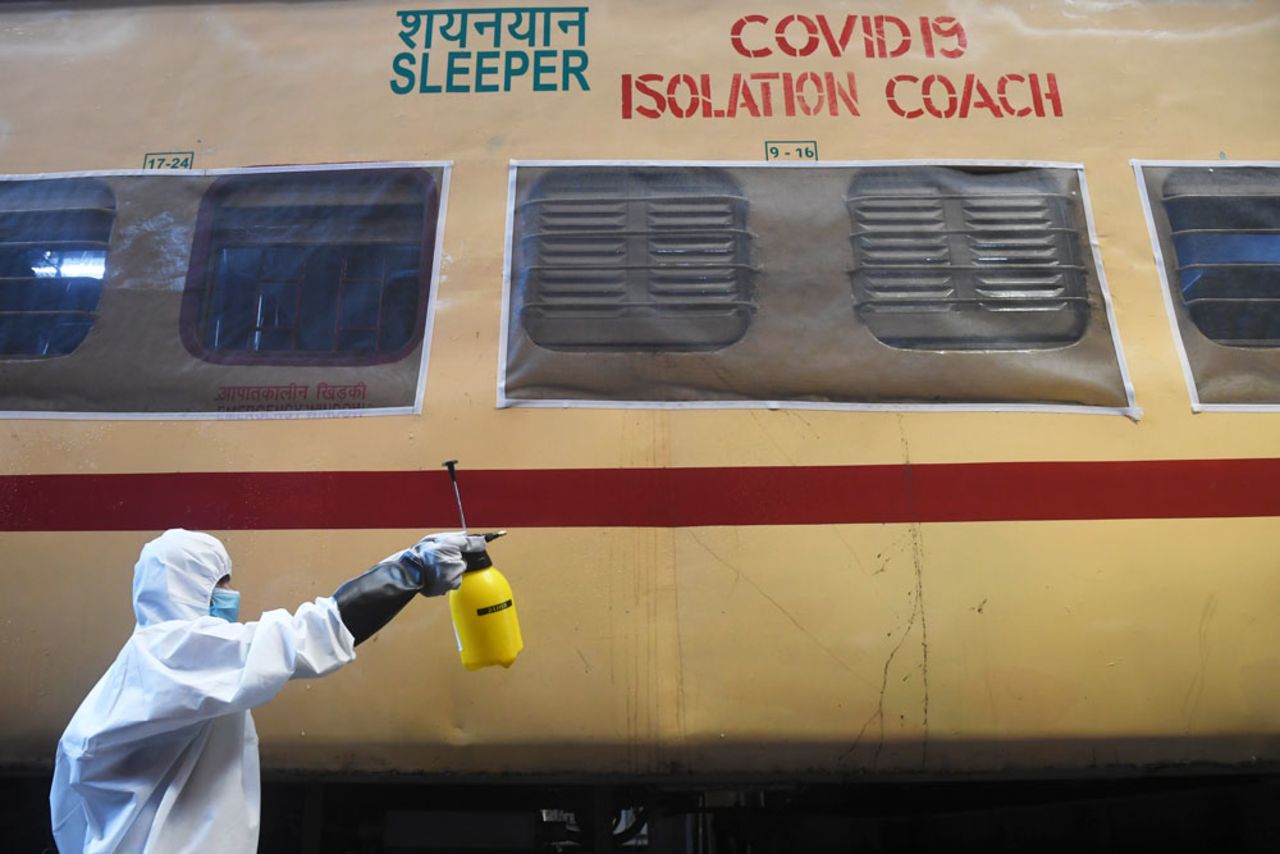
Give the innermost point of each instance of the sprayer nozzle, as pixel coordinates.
(451, 465)
(493, 535)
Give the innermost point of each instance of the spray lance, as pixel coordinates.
(483, 608)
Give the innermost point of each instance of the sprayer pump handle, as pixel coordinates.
(477, 560)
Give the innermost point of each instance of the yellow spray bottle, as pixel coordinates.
(483, 607)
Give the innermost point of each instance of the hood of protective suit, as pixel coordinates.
(175, 576)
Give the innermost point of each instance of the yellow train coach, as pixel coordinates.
(869, 393)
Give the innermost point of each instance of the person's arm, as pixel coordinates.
(175, 674)
(433, 567)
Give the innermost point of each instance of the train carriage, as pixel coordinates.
(868, 392)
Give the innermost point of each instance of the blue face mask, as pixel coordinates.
(225, 604)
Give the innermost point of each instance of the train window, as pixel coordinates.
(1224, 225)
(842, 285)
(53, 254)
(950, 259)
(311, 267)
(633, 259)
(1216, 230)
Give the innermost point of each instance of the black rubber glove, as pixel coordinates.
(431, 567)
(369, 601)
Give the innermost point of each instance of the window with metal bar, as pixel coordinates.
(953, 259)
(1225, 230)
(53, 255)
(311, 267)
(633, 259)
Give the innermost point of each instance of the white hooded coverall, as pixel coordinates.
(162, 755)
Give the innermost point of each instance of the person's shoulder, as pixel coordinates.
(180, 638)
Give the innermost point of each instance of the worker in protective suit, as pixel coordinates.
(162, 755)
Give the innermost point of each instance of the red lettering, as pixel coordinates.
(1001, 89)
(949, 28)
(673, 105)
(971, 85)
(659, 102)
(766, 93)
(1052, 96)
(740, 94)
(883, 36)
(1039, 96)
(837, 96)
(815, 93)
(810, 28)
(904, 36)
(735, 36)
(837, 45)
(789, 94)
(868, 36)
(805, 107)
(891, 95)
(926, 91)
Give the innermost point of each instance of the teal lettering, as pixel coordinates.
(483, 70)
(424, 87)
(573, 69)
(457, 69)
(397, 66)
(478, 71)
(510, 70)
(541, 68)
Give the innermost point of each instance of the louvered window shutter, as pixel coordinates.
(634, 260)
(951, 260)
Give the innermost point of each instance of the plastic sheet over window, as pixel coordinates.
(1216, 230)
(309, 267)
(237, 293)
(53, 250)
(639, 260)
(951, 260)
(844, 285)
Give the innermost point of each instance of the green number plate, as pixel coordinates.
(792, 150)
(168, 159)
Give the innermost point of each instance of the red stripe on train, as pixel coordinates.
(670, 497)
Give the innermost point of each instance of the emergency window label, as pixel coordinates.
(454, 51)
(493, 609)
(769, 85)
